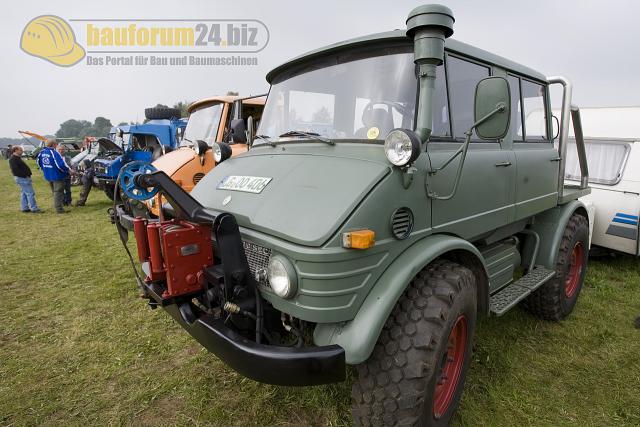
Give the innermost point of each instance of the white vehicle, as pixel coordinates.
(27, 150)
(612, 140)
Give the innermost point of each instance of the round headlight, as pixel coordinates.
(200, 147)
(221, 151)
(282, 277)
(402, 147)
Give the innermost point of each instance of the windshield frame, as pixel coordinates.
(188, 142)
(328, 59)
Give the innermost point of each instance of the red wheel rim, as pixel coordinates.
(575, 270)
(450, 367)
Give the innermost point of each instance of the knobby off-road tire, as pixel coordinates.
(159, 113)
(556, 299)
(429, 332)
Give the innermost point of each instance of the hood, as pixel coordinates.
(307, 199)
(174, 160)
(107, 145)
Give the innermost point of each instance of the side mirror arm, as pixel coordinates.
(500, 107)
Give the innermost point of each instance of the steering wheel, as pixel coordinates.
(128, 183)
(389, 104)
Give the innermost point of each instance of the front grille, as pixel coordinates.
(197, 177)
(258, 259)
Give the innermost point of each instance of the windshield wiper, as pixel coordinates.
(184, 138)
(266, 139)
(310, 135)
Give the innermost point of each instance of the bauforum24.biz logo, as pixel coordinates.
(139, 42)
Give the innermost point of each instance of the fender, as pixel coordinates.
(550, 226)
(359, 336)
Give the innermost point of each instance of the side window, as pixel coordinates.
(516, 108)
(535, 118)
(441, 123)
(463, 76)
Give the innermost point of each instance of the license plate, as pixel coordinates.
(247, 184)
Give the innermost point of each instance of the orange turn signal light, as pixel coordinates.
(360, 239)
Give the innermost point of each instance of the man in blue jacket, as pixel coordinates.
(55, 171)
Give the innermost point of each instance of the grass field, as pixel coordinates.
(77, 347)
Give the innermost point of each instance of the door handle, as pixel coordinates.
(503, 164)
(555, 159)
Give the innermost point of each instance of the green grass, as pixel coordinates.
(78, 347)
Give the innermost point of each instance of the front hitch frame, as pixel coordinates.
(225, 229)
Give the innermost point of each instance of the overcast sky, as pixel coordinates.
(594, 43)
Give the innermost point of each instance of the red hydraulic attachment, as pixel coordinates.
(177, 251)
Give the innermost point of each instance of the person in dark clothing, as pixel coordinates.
(66, 199)
(87, 182)
(22, 175)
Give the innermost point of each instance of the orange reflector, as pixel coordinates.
(361, 239)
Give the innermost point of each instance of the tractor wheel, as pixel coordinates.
(159, 113)
(416, 373)
(555, 299)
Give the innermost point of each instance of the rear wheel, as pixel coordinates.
(556, 299)
(416, 373)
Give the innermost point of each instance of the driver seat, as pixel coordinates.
(375, 117)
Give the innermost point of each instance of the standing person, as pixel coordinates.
(87, 182)
(22, 175)
(55, 171)
(66, 199)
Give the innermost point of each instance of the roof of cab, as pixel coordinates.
(255, 100)
(399, 36)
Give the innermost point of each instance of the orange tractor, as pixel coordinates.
(228, 119)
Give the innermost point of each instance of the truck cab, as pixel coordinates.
(210, 121)
(394, 192)
(141, 142)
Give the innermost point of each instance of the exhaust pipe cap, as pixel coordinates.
(429, 16)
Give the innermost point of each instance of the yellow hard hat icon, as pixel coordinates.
(50, 37)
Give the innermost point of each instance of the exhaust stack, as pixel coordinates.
(429, 25)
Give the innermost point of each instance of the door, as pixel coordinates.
(537, 160)
(484, 198)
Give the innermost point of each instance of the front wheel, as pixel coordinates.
(110, 192)
(556, 299)
(416, 373)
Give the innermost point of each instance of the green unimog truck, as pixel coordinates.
(396, 190)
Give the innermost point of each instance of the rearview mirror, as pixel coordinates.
(556, 127)
(119, 133)
(492, 93)
(250, 131)
(238, 131)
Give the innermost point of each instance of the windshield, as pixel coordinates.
(203, 124)
(359, 99)
(605, 160)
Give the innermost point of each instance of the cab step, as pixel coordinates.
(509, 296)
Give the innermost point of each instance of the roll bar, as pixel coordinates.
(574, 112)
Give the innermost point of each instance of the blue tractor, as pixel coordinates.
(144, 142)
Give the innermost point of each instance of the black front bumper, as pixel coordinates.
(124, 218)
(269, 364)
